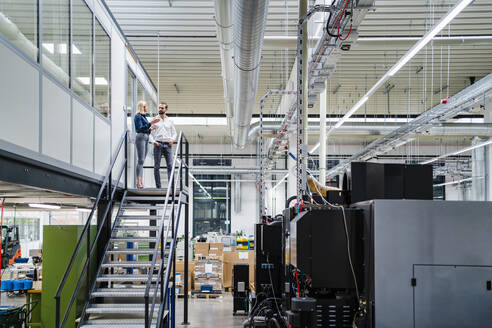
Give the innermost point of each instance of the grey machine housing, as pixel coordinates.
(428, 263)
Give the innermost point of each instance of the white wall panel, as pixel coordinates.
(102, 145)
(19, 100)
(56, 121)
(83, 137)
(118, 96)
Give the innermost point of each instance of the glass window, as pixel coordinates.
(28, 227)
(102, 79)
(20, 16)
(130, 80)
(211, 204)
(55, 38)
(82, 50)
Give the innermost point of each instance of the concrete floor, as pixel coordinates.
(203, 313)
(208, 313)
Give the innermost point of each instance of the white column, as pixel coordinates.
(488, 153)
(322, 135)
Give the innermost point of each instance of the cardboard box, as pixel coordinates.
(180, 276)
(215, 251)
(201, 250)
(237, 257)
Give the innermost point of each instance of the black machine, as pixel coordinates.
(311, 266)
(240, 278)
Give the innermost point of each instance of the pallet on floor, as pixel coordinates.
(202, 294)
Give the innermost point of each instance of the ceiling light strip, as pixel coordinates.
(461, 151)
(403, 61)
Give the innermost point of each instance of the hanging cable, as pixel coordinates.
(340, 22)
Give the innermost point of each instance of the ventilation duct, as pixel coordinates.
(249, 29)
(223, 22)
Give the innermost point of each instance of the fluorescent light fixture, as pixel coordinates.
(453, 182)
(84, 80)
(461, 151)
(429, 36)
(87, 80)
(83, 210)
(46, 206)
(101, 81)
(414, 38)
(76, 50)
(50, 47)
(403, 61)
(62, 48)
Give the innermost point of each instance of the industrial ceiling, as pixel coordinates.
(190, 70)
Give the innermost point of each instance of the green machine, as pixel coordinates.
(59, 242)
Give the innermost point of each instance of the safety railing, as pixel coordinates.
(167, 233)
(107, 193)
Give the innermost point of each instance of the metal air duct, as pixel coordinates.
(249, 29)
(223, 22)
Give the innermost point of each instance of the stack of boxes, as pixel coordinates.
(208, 267)
(238, 256)
(180, 276)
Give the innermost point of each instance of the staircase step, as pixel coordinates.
(129, 264)
(122, 292)
(138, 228)
(142, 207)
(116, 309)
(142, 217)
(132, 251)
(123, 278)
(155, 199)
(95, 324)
(133, 239)
(117, 323)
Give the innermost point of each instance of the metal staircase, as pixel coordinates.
(135, 250)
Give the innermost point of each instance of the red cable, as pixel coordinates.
(298, 290)
(340, 22)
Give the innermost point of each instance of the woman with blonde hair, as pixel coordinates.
(142, 128)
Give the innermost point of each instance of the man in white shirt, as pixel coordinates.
(163, 135)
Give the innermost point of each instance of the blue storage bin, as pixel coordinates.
(207, 288)
(18, 285)
(27, 284)
(7, 285)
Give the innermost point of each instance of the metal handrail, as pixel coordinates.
(172, 186)
(86, 232)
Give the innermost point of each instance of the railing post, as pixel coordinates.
(147, 324)
(88, 273)
(57, 312)
(126, 160)
(173, 253)
(162, 265)
(186, 235)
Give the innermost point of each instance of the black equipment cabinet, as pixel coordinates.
(317, 246)
(269, 264)
(240, 278)
(390, 181)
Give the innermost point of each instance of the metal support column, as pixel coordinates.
(322, 135)
(302, 92)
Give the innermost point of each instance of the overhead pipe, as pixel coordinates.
(270, 129)
(223, 22)
(249, 29)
